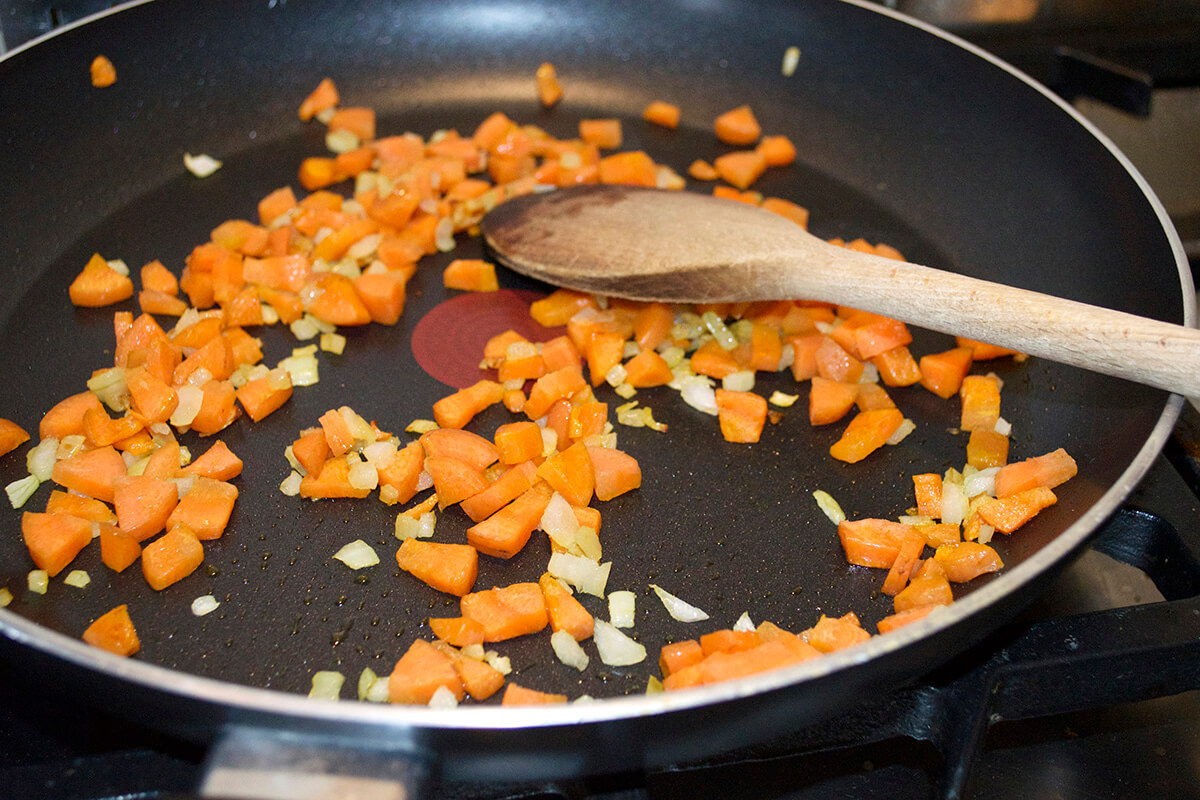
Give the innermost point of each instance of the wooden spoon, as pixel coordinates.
(650, 244)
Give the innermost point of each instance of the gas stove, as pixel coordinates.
(1090, 693)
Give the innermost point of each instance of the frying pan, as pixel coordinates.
(905, 136)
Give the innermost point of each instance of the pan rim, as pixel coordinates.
(289, 707)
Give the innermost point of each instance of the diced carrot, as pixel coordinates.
(312, 448)
(118, 550)
(980, 396)
(54, 540)
(337, 302)
(505, 532)
(12, 436)
(570, 473)
(679, 655)
(966, 561)
(727, 640)
(263, 396)
(205, 509)
(241, 236)
(737, 126)
(836, 633)
(604, 133)
(152, 301)
(829, 401)
(507, 611)
(332, 481)
(1011, 511)
(603, 351)
(77, 505)
(938, 534)
(143, 504)
(322, 98)
(873, 542)
(647, 369)
(987, 448)
(66, 417)
(549, 90)
(470, 275)
(421, 671)
(454, 480)
(872, 395)
(90, 472)
(114, 632)
(515, 695)
(171, 557)
(194, 336)
(152, 398)
(559, 353)
(457, 409)
(502, 491)
(218, 408)
(558, 385)
(741, 415)
(984, 352)
(402, 472)
(662, 113)
(98, 284)
(356, 119)
(928, 489)
(480, 679)
(895, 621)
(866, 433)
(165, 462)
(565, 612)
(218, 463)
(275, 204)
(740, 167)
(906, 560)
(458, 631)
(924, 590)
(897, 367)
(383, 294)
(943, 373)
(786, 208)
(628, 168)
(880, 335)
(778, 151)
(449, 568)
(103, 75)
(616, 472)
(462, 445)
(338, 435)
(702, 170)
(835, 364)
(517, 442)
(213, 357)
(652, 325)
(1048, 471)
(558, 307)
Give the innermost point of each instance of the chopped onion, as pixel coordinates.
(77, 578)
(740, 381)
(363, 475)
(6, 596)
(829, 506)
(357, 555)
(20, 490)
(38, 581)
(443, 698)
(303, 369)
(40, 460)
(190, 400)
(698, 392)
(501, 664)
(716, 326)
(559, 522)
(303, 328)
(67, 447)
(582, 573)
(954, 502)
(614, 647)
(587, 542)
(333, 343)
(371, 687)
(907, 426)
(791, 60)
(783, 400)
(409, 528)
(678, 609)
(568, 650)
(205, 604)
(870, 373)
(379, 453)
(109, 386)
(981, 482)
(201, 165)
(419, 426)
(622, 607)
(1003, 427)
(744, 623)
(340, 140)
(327, 685)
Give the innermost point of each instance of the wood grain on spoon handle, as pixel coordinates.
(683, 247)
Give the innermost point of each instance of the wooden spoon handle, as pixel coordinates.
(1139, 349)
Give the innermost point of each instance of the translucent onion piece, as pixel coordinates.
(615, 648)
(622, 608)
(77, 578)
(829, 507)
(678, 609)
(20, 490)
(6, 597)
(443, 698)
(327, 685)
(205, 604)
(568, 650)
(740, 381)
(40, 460)
(744, 623)
(357, 555)
(582, 573)
(201, 165)
(38, 581)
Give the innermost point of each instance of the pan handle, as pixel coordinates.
(264, 764)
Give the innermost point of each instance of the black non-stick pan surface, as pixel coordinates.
(904, 136)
